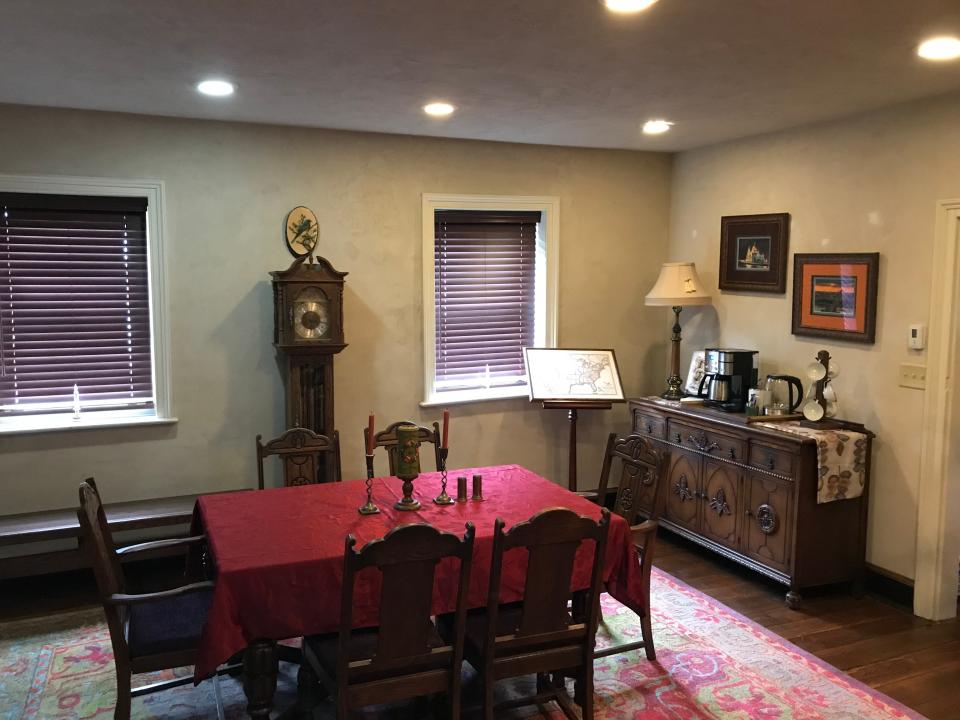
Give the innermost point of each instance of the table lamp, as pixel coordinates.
(678, 285)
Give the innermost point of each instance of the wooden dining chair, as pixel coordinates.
(538, 635)
(641, 492)
(404, 656)
(387, 438)
(307, 456)
(148, 631)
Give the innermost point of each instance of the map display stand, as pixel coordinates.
(573, 380)
(572, 407)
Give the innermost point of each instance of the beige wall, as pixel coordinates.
(863, 184)
(228, 187)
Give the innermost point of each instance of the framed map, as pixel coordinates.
(562, 374)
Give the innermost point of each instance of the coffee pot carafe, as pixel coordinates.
(718, 387)
(783, 400)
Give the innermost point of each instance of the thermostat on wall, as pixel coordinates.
(917, 338)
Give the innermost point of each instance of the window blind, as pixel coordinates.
(74, 303)
(485, 272)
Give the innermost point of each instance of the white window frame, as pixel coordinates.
(153, 190)
(549, 208)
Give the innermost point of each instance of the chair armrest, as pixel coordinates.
(123, 599)
(158, 544)
(642, 533)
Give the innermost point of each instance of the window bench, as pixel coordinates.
(157, 518)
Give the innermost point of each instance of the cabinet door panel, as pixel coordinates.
(720, 502)
(768, 521)
(683, 490)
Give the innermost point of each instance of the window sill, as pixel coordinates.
(462, 397)
(25, 426)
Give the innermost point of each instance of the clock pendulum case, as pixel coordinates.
(307, 333)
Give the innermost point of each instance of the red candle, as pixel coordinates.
(446, 428)
(370, 432)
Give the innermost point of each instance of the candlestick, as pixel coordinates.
(408, 464)
(443, 498)
(477, 488)
(370, 434)
(369, 508)
(462, 488)
(446, 428)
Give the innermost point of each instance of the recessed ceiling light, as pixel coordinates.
(656, 127)
(940, 48)
(439, 109)
(215, 88)
(628, 6)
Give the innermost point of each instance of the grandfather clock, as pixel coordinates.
(308, 332)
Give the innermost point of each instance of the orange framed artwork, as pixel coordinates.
(835, 295)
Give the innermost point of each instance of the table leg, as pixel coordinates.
(572, 476)
(260, 666)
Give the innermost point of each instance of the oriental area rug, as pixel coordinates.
(711, 663)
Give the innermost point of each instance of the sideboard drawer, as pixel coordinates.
(648, 425)
(772, 459)
(707, 441)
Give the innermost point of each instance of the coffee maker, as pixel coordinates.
(730, 373)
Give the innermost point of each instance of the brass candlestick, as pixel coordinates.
(408, 465)
(443, 498)
(369, 508)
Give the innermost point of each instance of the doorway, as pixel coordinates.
(938, 501)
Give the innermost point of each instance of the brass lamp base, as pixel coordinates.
(674, 389)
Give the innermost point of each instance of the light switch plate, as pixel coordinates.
(913, 376)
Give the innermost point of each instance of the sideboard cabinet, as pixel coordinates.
(749, 493)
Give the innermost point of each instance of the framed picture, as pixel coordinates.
(695, 373)
(561, 374)
(835, 296)
(753, 252)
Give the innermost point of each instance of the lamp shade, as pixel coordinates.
(678, 285)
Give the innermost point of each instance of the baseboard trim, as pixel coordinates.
(890, 585)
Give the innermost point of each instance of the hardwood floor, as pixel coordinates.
(914, 661)
(878, 642)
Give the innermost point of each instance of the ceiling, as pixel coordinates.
(562, 72)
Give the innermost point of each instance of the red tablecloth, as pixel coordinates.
(279, 553)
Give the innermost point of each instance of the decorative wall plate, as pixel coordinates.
(301, 231)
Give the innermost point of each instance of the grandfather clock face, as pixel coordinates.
(311, 314)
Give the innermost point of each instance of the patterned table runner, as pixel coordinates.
(841, 460)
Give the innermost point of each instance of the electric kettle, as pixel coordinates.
(783, 400)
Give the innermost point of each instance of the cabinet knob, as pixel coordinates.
(771, 461)
(747, 512)
(649, 429)
(679, 438)
(733, 454)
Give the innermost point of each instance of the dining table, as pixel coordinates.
(277, 555)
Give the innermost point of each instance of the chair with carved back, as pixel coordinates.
(387, 438)
(641, 490)
(404, 656)
(538, 635)
(148, 631)
(306, 456)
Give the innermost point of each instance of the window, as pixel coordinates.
(79, 315)
(489, 291)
